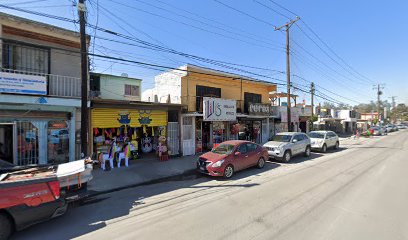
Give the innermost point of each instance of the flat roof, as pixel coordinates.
(41, 24)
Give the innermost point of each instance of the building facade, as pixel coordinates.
(39, 92)
(106, 86)
(117, 114)
(218, 106)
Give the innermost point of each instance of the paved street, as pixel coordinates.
(358, 192)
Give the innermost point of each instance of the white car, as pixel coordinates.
(287, 144)
(322, 140)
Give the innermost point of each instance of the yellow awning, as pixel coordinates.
(114, 118)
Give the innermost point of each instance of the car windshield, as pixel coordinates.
(316, 135)
(282, 138)
(223, 149)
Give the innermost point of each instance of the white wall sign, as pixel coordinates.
(259, 109)
(23, 84)
(217, 109)
(294, 115)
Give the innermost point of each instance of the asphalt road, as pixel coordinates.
(356, 193)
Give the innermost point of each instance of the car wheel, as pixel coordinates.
(6, 226)
(229, 171)
(287, 156)
(324, 148)
(337, 145)
(261, 163)
(307, 151)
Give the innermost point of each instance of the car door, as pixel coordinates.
(332, 139)
(304, 142)
(297, 144)
(252, 154)
(241, 160)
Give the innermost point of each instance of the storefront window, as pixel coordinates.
(58, 142)
(219, 133)
(27, 144)
(250, 131)
(199, 136)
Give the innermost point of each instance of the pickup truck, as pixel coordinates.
(32, 194)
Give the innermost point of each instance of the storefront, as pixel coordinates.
(143, 126)
(43, 137)
(220, 122)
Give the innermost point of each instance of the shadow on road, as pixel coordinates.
(94, 213)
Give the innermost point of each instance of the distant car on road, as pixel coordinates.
(377, 131)
(285, 145)
(401, 126)
(230, 157)
(322, 140)
(389, 128)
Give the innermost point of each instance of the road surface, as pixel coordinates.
(358, 192)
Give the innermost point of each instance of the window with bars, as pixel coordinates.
(132, 90)
(25, 58)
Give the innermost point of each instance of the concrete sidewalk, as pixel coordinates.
(139, 171)
(145, 170)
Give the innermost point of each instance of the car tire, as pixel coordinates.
(228, 171)
(6, 228)
(308, 151)
(261, 163)
(287, 156)
(324, 148)
(336, 146)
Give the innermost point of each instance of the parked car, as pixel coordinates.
(401, 126)
(384, 129)
(285, 145)
(377, 131)
(389, 128)
(230, 157)
(27, 199)
(322, 140)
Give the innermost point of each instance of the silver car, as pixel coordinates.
(322, 140)
(287, 144)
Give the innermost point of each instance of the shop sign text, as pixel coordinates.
(217, 109)
(22, 84)
(259, 109)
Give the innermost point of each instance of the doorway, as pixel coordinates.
(6, 143)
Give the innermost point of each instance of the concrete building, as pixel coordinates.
(39, 92)
(106, 86)
(219, 106)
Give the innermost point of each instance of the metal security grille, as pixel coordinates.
(25, 58)
(27, 144)
(173, 137)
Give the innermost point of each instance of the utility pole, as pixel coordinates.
(379, 87)
(84, 80)
(287, 27)
(312, 92)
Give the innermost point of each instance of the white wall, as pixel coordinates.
(165, 84)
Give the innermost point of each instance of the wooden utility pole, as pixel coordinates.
(312, 92)
(379, 87)
(84, 80)
(287, 27)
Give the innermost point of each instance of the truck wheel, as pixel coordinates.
(6, 227)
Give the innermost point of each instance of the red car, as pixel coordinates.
(232, 156)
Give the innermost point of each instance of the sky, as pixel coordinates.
(345, 47)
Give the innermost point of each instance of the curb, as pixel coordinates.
(174, 177)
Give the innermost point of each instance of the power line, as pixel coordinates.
(244, 13)
(328, 55)
(321, 40)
